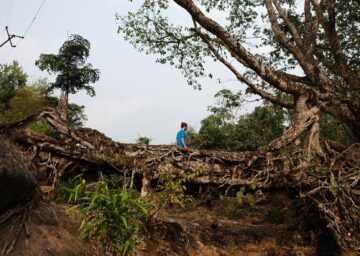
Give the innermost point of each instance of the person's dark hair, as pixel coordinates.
(183, 125)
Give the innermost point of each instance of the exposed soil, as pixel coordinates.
(221, 227)
(269, 227)
(52, 230)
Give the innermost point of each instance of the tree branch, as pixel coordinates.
(310, 30)
(315, 74)
(254, 89)
(280, 36)
(279, 81)
(341, 66)
(293, 30)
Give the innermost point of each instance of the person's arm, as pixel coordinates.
(183, 142)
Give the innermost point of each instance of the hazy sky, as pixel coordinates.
(135, 96)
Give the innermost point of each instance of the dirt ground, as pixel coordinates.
(220, 228)
(51, 231)
(223, 229)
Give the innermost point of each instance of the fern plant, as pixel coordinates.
(112, 216)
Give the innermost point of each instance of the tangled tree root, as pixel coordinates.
(18, 193)
(329, 179)
(21, 216)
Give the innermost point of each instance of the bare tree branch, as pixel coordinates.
(254, 89)
(293, 30)
(310, 30)
(311, 70)
(280, 82)
(341, 66)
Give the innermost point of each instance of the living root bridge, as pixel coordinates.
(330, 181)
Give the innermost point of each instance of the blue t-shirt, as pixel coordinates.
(180, 134)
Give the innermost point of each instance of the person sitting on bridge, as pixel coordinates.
(181, 136)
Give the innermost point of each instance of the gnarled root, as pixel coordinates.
(332, 182)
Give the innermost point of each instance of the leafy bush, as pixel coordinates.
(42, 127)
(67, 189)
(171, 191)
(112, 216)
(143, 140)
(242, 205)
(223, 131)
(243, 198)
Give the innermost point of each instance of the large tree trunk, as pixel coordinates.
(317, 80)
(305, 109)
(63, 104)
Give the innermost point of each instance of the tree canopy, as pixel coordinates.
(28, 99)
(225, 129)
(12, 77)
(297, 57)
(73, 72)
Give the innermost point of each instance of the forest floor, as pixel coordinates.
(214, 228)
(52, 230)
(222, 227)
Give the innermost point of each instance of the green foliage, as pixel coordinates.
(73, 73)
(216, 129)
(259, 128)
(244, 198)
(143, 140)
(145, 30)
(224, 130)
(115, 181)
(188, 45)
(29, 99)
(171, 191)
(226, 106)
(151, 29)
(12, 77)
(192, 137)
(213, 134)
(331, 129)
(42, 127)
(76, 115)
(112, 216)
(26, 101)
(244, 203)
(68, 189)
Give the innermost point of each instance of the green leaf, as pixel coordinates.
(123, 219)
